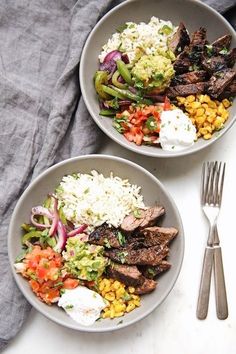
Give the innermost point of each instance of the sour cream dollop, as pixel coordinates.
(176, 131)
(82, 304)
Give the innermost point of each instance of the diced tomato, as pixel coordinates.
(70, 283)
(41, 273)
(34, 285)
(167, 105)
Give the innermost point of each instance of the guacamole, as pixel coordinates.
(153, 71)
(83, 260)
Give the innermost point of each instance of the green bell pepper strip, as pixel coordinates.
(124, 71)
(115, 81)
(113, 91)
(101, 78)
(32, 234)
(131, 96)
(107, 112)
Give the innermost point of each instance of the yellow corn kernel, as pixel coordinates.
(207, 136)
(218, 123)
(210, 118)
(190, 98)
(200, 98)
(130, 307)
(226, 103)
(206, 98)
(220, 109)
(119, 307)
(120, 292)
(225, 115)
(200, 112)
(180, 100)
(119, 314)
(200, 120)
(203, 131)
(195, 105)
(110, 296)
(131, 290)
(212, 104)
(137, 303)
(116, 285)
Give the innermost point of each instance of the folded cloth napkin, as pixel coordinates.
(42, 115)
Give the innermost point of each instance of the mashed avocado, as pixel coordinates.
(153, 71)
(83, 260)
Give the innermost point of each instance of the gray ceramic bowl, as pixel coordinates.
(153, 192)
(193, 13)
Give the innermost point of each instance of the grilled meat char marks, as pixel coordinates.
(145, 218)
(105, 236)
(138, 246)
(142, 256)
(219, 81)
(129, 275)
(199, 64)
(151, 272)
(180, 39)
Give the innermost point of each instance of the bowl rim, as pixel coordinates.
(128, 145)
(32, 299)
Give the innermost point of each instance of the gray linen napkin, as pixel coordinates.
(42, 116)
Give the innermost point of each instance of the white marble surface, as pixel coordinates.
(173, 327)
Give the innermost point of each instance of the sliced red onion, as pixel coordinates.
(77, 231)
(133, 89)
(113, 55)
(55, 218)
(39, 210)
(61, 237)
(109, 63)
(120, 79)
(125, 58)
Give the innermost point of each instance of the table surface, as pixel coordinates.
(173, 327)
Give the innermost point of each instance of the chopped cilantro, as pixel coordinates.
(224, 51)
(69, 307)
(121, 256)
(137, 213)
(122, 27)
(107, 243)
(121, 238)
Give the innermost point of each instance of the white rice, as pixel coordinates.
(143, 36)
(93, 199)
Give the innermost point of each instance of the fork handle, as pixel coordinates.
(220, 289)
(204, 291)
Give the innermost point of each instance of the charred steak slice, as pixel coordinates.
(220, 62)
(106, 236)
(198, 39)
(155, 235)
(129, 275)
(182, 62)
(189, 78)
(151, 272)
(146, 287)
(219, 81)
(221, 43)
(229, 91)
(180, 39)
(142, 256)
(186, 90)
(144, 218)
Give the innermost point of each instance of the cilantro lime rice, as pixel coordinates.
(93, 199)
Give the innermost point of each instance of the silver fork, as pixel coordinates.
(211, 197)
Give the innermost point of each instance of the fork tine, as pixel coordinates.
(203, 184)
(221, 184)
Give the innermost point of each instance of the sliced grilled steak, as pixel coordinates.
(182, 62)
(186, 90)
(229, 91)
(189, 78)
(198, 39)
(146, 287)
(151, 272)
(221, 43)
(106, 236)
(155, 235)
(129, 275)
(220, 62)
(142, 256)
(180, 39)
(145, 218)
(219, 81)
